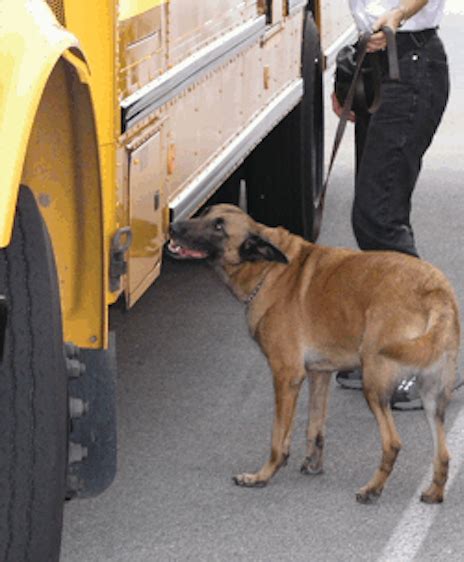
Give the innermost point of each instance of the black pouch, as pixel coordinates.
(368, 84)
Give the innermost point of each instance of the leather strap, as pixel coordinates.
(394, 74)
(393, 70)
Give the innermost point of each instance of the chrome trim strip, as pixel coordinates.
(211, 178)
(349, 36)
(151, 96)
(295, 5)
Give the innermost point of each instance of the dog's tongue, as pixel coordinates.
(186, 253)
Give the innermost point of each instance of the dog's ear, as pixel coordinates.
(255, 248)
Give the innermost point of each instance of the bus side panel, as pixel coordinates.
(192, 25)
(208, 117)
(200, 120)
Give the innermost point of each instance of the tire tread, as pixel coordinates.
(34, 383)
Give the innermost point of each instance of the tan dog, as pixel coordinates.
(315, 310)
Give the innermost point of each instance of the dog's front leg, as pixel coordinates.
(286, 389)
(319, 391)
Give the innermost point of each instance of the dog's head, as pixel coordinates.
(224, 235)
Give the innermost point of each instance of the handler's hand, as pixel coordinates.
(337, 108)
(391, 19)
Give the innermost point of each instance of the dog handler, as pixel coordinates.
(390, 143)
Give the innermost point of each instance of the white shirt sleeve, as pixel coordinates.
(365, 13)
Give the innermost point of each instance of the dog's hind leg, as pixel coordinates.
(435, 393)
(286, 389)
(319, 391)
(377, 393)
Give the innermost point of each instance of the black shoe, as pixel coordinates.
(406, 396)
(350, 379)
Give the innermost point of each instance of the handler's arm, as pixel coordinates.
(393, 19)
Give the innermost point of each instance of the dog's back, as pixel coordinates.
(349, 301)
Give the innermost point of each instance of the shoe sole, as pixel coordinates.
(415, 404)
(354, 385)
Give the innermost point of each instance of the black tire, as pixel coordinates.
(284, 173)
(33, 395)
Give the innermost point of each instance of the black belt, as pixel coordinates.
(412, 40)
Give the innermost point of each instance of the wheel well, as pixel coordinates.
(284, 172)
(62, 170)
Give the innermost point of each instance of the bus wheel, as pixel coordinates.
(33, 393)
(284, 172)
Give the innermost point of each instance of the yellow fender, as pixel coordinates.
(31, 43)
(36, 56)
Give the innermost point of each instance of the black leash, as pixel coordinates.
(394, 74)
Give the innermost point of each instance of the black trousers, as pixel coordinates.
(390, 144)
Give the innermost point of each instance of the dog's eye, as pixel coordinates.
(219, 224)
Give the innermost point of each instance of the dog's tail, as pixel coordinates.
(428, 348)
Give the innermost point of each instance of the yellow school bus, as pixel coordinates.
(118, 117)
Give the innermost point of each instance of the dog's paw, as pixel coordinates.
(249, 481)
(433, 494)
(311, 466)
(431, 498)
(366, 496)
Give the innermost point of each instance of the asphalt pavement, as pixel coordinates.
(195, 403)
